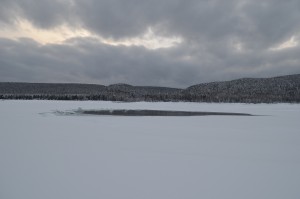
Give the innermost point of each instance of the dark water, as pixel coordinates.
(157, 113)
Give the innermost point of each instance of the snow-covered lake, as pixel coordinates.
(49, 156)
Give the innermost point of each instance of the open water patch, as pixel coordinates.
(130, 112)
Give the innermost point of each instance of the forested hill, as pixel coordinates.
(115, 92)
(249, 90)
(252, 90)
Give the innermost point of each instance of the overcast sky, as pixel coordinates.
(174, 43)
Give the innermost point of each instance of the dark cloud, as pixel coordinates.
(222, 40)
(88, 61)
(272, 21)
(42, 13)
(45, 13)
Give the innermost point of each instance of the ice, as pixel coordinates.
(50, 156)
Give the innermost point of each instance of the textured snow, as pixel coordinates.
(49, 156)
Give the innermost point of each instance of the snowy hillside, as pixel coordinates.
(248, 90)
(257, 90)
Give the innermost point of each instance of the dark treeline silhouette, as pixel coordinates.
(247, 90)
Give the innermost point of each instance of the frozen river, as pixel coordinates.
(45, 155)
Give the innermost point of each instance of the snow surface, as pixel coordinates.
(46, 156)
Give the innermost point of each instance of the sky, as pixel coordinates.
(174, 43)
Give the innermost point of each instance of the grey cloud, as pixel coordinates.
(192, 19)
(272, 21)
(8, 12)
(255, 22)
(209, 29)
(43, 13)
(88, 61)
(258, 22)
(63, 63)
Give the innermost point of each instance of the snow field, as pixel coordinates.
(43, 155)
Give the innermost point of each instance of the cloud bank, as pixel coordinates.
(162, 43)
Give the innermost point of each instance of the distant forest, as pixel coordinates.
(283, 89)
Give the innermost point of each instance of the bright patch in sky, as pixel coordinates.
(238, 46)
(149, 40)
(58, 35)
(292, 42)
